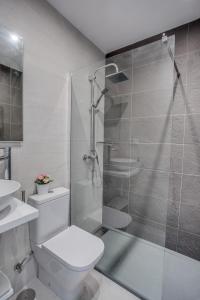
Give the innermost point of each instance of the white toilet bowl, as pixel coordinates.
(64, 258)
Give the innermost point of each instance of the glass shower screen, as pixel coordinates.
(137, 143)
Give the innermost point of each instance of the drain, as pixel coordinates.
(28, 294)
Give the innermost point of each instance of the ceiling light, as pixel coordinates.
(14, 37)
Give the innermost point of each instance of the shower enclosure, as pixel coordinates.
(127, 136)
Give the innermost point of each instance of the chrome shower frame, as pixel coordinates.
(115, 77)
(93, 156)
(165, 41)
(93, 108)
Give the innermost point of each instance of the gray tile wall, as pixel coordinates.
(162, 130)
(11, 128)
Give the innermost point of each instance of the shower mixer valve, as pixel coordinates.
(90, 157)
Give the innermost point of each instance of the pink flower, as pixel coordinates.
(43, 179)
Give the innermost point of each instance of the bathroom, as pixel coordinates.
(104, 99)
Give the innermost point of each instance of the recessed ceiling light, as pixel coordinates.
(14, 37)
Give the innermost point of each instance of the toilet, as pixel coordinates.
(65, 254)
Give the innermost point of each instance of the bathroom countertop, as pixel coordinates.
(16, 214)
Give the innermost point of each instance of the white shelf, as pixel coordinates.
(122, 174)
(16, 214)
(118, 202)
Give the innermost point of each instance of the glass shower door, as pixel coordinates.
(138, 144)
(140, 165)
(86, 187)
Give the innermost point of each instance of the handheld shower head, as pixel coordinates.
(103, 92)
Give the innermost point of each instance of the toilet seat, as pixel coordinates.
(75, 248)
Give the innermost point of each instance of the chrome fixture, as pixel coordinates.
(115, 77)
(4, 157)
(165, 41)
(93, 76)
(103, 92)
(20, 265)
(7, 158)
(89, 157)
(23, 192)
(164, 38)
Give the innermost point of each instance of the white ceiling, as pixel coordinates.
(112, 24)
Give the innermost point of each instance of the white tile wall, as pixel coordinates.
(52, 48)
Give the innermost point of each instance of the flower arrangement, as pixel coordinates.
(43, 179)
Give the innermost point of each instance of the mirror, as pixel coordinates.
(11, 81)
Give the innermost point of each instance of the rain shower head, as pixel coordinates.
(117, 77)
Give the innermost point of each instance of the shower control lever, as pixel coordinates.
(89, 157)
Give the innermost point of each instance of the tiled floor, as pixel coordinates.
(97, 287)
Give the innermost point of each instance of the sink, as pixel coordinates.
(13, 212)
(16, 214)
(7, 189)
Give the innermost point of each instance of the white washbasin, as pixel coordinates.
(16, 214)
(13, 212)
(7, 189)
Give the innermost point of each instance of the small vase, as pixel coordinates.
(42, 188)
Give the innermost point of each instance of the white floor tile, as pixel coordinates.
(102, 288)
(42, 292)
(97, 287)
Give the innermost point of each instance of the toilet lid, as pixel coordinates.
(75, 248)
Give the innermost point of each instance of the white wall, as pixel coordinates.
(52, 48)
